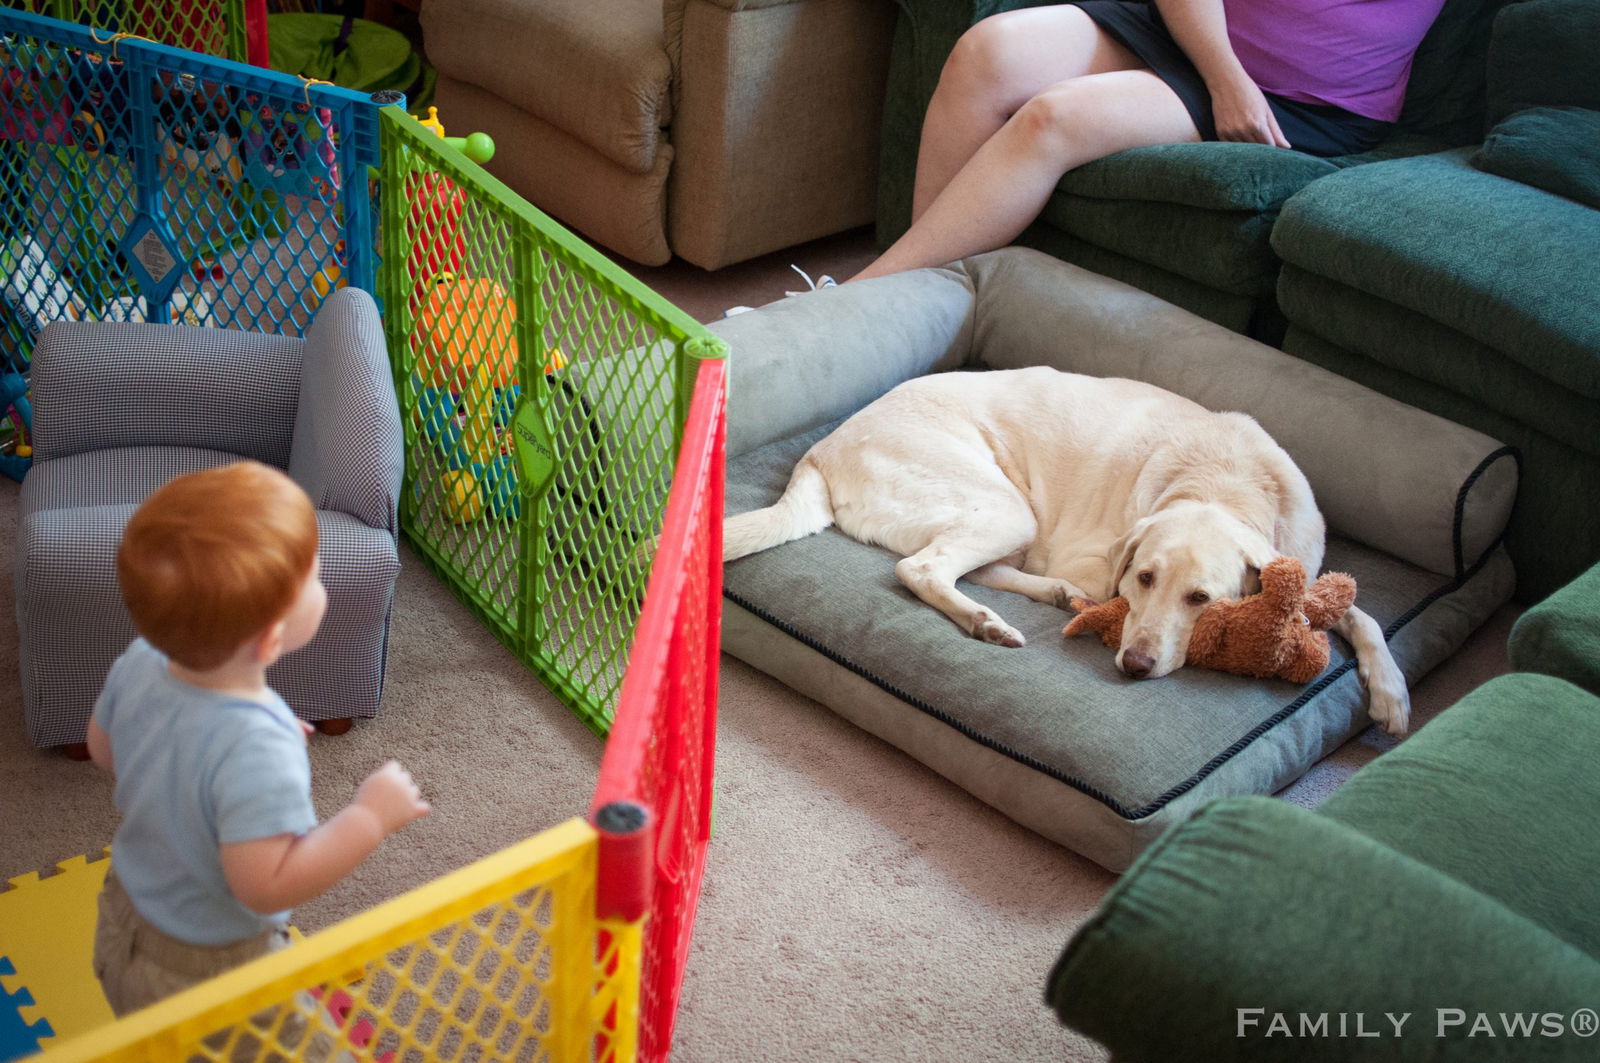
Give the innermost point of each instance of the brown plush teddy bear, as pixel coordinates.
(1283, 631)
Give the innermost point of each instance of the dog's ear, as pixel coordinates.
(1258, 554)
(1122, 551)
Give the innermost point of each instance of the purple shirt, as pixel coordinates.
(1354, 54)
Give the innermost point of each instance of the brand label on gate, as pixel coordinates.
(535, 449)
(154, 256)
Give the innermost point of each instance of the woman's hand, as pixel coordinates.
(1242, 115)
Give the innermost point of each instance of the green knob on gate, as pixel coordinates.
(479, 147)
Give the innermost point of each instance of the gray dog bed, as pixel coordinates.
(1051, 734)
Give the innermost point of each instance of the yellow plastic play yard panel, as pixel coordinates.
(495, 961)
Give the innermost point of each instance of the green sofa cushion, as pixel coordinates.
(1561, 635)
(1224, 249)
(1254, 903)
(1421, 347)
(1493, 259)
(1553, 148)
(1543, 54)
(1501, 794)
(1210, 176)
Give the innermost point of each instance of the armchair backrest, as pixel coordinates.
(348, 453)
(99, 384)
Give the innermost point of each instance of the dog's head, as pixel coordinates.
(1170, 566)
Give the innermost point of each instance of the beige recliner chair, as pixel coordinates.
(716, 130)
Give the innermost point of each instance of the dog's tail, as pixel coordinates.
(804, 509)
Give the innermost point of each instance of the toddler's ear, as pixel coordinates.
(269, 644)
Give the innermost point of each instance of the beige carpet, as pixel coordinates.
(857, 906)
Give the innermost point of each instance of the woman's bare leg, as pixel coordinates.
(997, 66)
(1007, 181)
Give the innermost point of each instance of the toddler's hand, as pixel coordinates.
(390, 794)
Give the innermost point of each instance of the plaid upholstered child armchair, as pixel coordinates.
(122, 408)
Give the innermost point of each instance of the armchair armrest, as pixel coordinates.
(776, 120)
(672, 21)
(672, 12)
(99, 384)
(805, 362)
(1255, 908)
(348, 451)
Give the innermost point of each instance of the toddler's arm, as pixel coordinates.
(100, 748)
(284, 870)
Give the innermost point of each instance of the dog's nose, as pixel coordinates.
(1137, 665)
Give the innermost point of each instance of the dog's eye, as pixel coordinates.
(1147, 579)
(1199, 598)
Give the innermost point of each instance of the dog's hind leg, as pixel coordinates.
(1043, 589)
(931, 575)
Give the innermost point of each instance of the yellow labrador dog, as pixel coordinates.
(1053, 484)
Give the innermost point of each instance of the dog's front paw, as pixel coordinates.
(1389, 703)
(1067, 596)
(991, 629)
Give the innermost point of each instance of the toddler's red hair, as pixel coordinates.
(214, 558)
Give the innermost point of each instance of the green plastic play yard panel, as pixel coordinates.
(543, 393)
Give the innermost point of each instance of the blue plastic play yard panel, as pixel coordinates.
(142, 182)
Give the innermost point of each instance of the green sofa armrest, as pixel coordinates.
(1255, 913)
(1497, 261)
(1499, 793)
(1212, 176)
(1561, 635)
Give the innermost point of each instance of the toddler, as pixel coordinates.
(218, 836)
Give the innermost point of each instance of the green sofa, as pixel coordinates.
(1561, 635)
(1442, 281)
(1188, 222)
(1451, 880)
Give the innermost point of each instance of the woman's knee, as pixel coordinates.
(1005, 50)
(1000, 54)
(1058, 119)
(981, 55)
(1086, 118)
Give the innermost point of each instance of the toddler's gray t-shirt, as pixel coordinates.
(197, 769)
